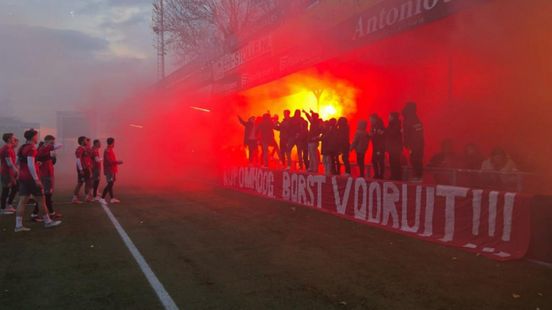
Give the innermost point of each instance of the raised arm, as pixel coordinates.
(308, 115)
(241, 121)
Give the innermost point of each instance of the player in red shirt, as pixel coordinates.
(84, 169)
(110, 170)
(14, 189)
(29, 182)
(89, 159)
(96, 168)
(46, 157)
(8, 172)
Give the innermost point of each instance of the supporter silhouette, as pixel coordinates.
(414, 139)
(343, 145)
(274, 144)
(313, 139)
(360, 145)
(498, 170)
(377, 135)
(298, 136)
(266, 136)
(445, 158)
(394, 145)
(444, 161)
(329, 146)
(285, 137)
(249, 137)
(472, 157)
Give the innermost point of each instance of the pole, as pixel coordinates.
(318, 93)
(450, 79)
(162, 38)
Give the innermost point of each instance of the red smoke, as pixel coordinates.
(479, 76)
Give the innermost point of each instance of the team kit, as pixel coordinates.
(27, 171)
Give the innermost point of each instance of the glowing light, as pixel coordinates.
(136, 126)
(201, 109)
(327, 106)
(328, 112)
(330, 97)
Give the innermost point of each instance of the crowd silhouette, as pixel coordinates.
(325, 146)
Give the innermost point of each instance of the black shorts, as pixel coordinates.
(7, 181)
(83, 177)
(29, 187)
(48, 184)
(110, 177)
(96, 175)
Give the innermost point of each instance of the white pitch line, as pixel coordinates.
(162, 294)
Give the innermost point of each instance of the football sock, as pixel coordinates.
(49, 203)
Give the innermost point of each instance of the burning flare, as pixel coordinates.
(324, 94)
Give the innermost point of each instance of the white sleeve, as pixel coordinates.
(32, 168)
(10, 163)
(57, 146)
(79, 164)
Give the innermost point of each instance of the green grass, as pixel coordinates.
(213, 249)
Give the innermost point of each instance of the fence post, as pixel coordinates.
(454, 177)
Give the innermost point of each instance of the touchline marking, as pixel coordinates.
(162, 294)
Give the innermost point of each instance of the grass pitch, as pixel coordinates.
(217, 249)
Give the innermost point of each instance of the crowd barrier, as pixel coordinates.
(517, 181)
(493, 223)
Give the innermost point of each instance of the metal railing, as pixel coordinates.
(513, 181)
